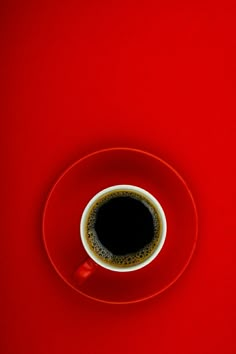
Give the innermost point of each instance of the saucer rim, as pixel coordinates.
(143, 152)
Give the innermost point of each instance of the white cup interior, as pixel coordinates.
(155, 204)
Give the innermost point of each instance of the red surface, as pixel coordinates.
(93, 173)
(86, 75)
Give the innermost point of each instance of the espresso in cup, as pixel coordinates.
(123, 228)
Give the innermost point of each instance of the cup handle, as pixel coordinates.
(85, 270)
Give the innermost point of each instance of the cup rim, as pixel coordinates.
(156, 204)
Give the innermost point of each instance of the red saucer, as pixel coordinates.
(77, 185)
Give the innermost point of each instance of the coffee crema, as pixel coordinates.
(123, 228)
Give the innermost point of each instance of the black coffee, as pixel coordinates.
(123, 228)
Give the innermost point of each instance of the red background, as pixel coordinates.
(157, 75)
